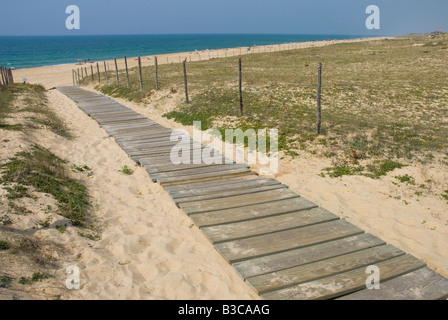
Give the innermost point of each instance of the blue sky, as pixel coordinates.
(47, 17)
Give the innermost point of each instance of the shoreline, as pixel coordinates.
(207, 49)
(55, 72)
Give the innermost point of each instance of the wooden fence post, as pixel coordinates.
(127, 72)
(85, 69)
(116, 72)
(98, 70)
(10, 74)
(156, 66)
(185, 82)
(3, 78)
(105, 73)
(91, 71)
(319, 90)
(73, 77)
(140, 72)
(240, 86)
(79, 77)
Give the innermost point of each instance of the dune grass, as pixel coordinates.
(382, 100)
(41, 169)
(31, 100)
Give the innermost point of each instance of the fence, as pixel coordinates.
(371, 101)
(81, 76)
(6, 76)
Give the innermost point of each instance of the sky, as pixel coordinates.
(339, 17)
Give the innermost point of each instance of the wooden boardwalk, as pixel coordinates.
(282, 245)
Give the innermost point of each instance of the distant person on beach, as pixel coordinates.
(24, 80)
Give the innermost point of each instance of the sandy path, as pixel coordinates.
(149, 248)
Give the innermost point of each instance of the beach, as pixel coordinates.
(149, 249)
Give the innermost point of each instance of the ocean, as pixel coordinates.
(37, 51)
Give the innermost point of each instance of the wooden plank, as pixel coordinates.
(93, 112)
(144, 125)
(98, 106)
(223, 216)
(133, 140)
(233, 192)
(133, 131)
(301, 256)
(125, 131)
(246, 229)
(238, 185)
(324, 268)
(123, 122)
(150, 137)
(204, 176)
(208, 184)
(193, 171)
(113, 115)
(239, 250)
(347, 282)
(163, 167)
(422, 284)
(164, 159)
(120, 118)
(237, 201)
(151, 144)
(95, 104)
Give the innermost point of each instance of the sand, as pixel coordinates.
(149, 249)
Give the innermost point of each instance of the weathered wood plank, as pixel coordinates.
(297, 257)
(115, 115)
(223, 216)
(135, 140)
(238, 250)
(143, 125)
(96, 104)
(228, 193)
(150, 144)
(205, 176)
(149, 137)
(246, 229)
(324, 268)
(112, 120)
(344, 283)
(237, 201)
(193, 171)
(164, 159)
(208, 184)
(102, 117)
(133, 131)
(159, 167)
(422, 284)
(241, 185)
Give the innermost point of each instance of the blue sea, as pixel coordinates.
(37, 51)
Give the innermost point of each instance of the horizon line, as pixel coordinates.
(177, 34)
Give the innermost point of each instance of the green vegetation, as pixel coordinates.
(30, 100)
(374, 170)
(5, 282)
(406, 179)
(126, 170)
(5, 220)
(4, 245)
(47, 173)
(39, 276)
(445, 195)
